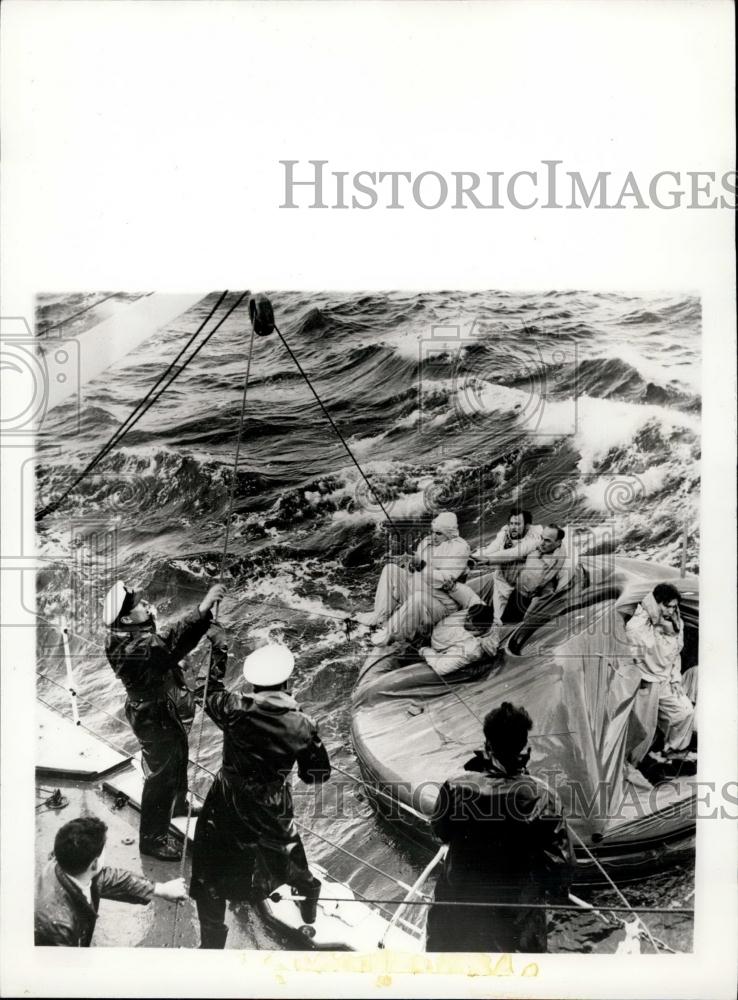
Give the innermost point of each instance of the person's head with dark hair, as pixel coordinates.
(506, 734)
(79, 844)
(667, 598)
(479, 619)
(665, 593)
(518, 521)
(551, 538)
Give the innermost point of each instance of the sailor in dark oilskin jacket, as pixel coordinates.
(246, 843)
(159, 706)
(69, 889)
(508, 843)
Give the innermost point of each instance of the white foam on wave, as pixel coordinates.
(595, 425)
(449, 333)
(605, 492)
(278, 592)
(360, 446)
(669, 367)
(604, 424)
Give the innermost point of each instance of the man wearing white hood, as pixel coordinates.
(410, 594)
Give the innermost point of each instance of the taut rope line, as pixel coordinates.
(337, 431)
(183, 861)
(147, 402)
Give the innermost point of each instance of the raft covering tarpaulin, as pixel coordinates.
(577, 676)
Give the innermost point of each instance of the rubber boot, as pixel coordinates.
(213, 935)
(309, 905)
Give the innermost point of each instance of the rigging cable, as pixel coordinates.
(276, 897)
(338, 433)
(224, 556)
(147, 402)
(68, 319)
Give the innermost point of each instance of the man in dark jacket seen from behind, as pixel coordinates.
(69, 889)
(159, 705)
(507, 843)
(246, 844)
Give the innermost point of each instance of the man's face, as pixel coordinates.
(437, 537)
(549, 541)
(143, 612)
(670, 608)
(516, 526)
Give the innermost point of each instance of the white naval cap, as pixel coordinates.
(119, 600)
(268, 665)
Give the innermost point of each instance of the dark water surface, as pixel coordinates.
(584, 407)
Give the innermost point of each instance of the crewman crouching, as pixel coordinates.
(69, 889)
(246, 844)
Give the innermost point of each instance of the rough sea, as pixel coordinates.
(582, 406)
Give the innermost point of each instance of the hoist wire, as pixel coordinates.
(232, 493)
(229, 515)
(145, 404)
(337, 431)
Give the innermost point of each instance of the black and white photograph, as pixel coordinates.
(430, 562)
(368, 523)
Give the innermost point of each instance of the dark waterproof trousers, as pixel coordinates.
(211, 914)
(477, 928)
(159, 725)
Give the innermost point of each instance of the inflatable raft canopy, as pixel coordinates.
(577, 675)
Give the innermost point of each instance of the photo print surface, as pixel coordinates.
(360, 471)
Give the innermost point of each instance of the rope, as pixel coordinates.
(147, 402)
(380, 791)
(419, 881)
(201, 725)
(55, 326)
(276, 897)
(232, 492)
(355, 857)
(382, 903)
(337, 431)
(102, 711)
(115, 746)
(620, 895)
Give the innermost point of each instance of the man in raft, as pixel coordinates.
(506, 552)
(507, 843)
(246, 844)
(159, 705)
(463, 637)
(410, 594)
(544, 571)
(657, 630)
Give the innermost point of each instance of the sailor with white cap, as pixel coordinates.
(246, 843)
(412, 593)
(159, 706)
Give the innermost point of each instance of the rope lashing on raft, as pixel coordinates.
(545, 786)
(263, 324)
(388, 902)
(153, 394)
